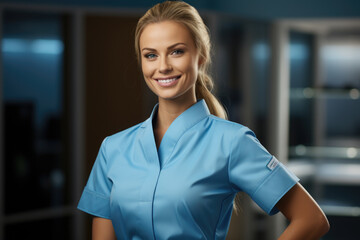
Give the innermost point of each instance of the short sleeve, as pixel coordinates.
(95, 198)
(254, 170)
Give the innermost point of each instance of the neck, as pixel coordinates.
(169, 110)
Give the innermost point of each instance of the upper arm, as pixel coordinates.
(254, 170)
(102, 229)
(95, 198)
(298, 205)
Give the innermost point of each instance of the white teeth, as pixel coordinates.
(167, 80)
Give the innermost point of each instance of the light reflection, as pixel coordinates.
(336, 52)
(354, 94)
(37, 46)
(300, 150)
(261, 51)
(298, 51)
(309, 92)
(352, 152)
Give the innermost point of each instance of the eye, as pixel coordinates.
(150, 56)
(177, 52)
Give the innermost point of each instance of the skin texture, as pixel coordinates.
(102, 229)
(168, 50)
(307, 220)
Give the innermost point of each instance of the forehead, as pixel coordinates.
(164, 34)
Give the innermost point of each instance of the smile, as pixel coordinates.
(167, 82)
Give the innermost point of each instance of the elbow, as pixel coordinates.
(325, 225)
(322, 225)
(315, 227)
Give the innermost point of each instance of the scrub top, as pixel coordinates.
(185, 189)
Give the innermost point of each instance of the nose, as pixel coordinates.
(165, 66)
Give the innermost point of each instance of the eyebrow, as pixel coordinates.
(170, 47)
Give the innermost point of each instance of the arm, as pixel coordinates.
(307, 220)
(102, 229)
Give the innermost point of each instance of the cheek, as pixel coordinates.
(188, 65)
(147, 69)
(192, 68)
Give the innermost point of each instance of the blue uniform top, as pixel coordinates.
(186, 188)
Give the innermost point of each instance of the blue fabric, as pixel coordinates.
(186, 188)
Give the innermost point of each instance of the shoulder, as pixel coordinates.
(228, 127)
(120, 137)
(117, 143)
(236, 135)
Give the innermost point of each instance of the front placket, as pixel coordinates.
(157, 159)
(153, 168)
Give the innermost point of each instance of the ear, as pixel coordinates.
(201, 60)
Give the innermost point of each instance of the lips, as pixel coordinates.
(167, 81)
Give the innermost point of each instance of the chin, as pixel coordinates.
(175, 96)
(168, 97)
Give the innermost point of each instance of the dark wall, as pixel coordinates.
(259, 9)
(265, 9)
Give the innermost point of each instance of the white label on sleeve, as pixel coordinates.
(273, 163)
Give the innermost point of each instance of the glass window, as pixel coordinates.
(33, 59)
(301, 82)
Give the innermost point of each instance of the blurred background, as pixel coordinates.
(290, 70)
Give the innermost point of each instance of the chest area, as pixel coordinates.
(190, 174)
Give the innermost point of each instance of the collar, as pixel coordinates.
(178, 127)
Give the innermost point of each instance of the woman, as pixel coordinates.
(175, 175)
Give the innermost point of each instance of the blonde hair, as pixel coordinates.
(187, 15)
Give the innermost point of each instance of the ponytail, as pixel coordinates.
(203, 88)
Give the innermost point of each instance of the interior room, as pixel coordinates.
(289, 70)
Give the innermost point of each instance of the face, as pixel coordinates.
(169, 60)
